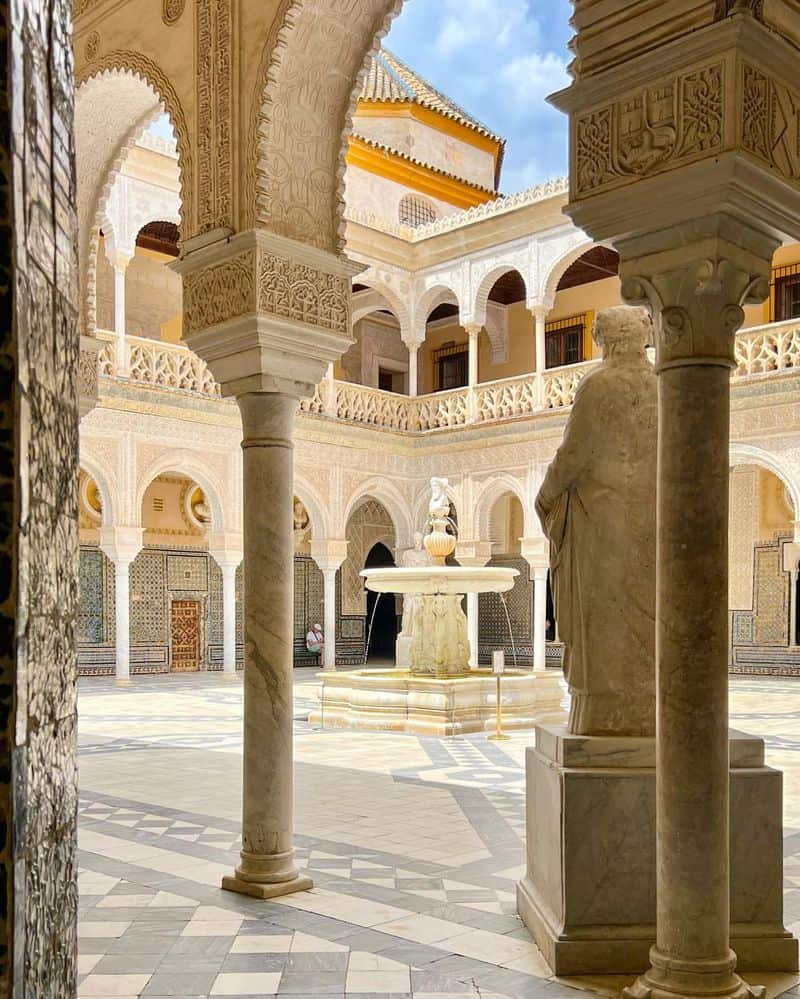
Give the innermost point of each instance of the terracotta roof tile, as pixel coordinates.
(389, 79)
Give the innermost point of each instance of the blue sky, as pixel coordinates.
(498, 59)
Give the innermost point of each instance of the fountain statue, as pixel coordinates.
(435, 692)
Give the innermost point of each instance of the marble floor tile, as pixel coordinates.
(415, 845)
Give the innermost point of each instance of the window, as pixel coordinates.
(786, 298)
(451, 364)
(391, 381)
(414, 211)
(563, 341)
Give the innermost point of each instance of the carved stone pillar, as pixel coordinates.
(329, 556)
(268, 315)
(122, 545)
(679, 157)
(87, 374)
(473, 554)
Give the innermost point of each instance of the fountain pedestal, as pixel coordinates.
(439, 694)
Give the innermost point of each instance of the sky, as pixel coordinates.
(498, 59)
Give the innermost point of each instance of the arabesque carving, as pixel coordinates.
(770, 117)
(214, 114)
(220, 292)
(675, 120)
(172, 10)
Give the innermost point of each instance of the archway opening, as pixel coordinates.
(379, 358)
(505, 621)
(762, 590)
(382, 620)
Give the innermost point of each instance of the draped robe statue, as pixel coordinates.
(597, 505)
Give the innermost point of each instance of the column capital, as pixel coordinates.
(329, 553)
(540, 310)
(474, 330)
(266, 313)
(536, 552)
(121, 544)
(412, 343)
(473, 553)
(696, 277)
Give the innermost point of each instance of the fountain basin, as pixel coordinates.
(442, 580)
(396, 700)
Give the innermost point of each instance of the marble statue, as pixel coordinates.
(410, 559)
(439, 505)
(597, 506)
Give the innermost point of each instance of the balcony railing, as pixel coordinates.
(759, 351)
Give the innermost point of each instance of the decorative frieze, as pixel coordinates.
(674, 121)
(770, 120)
(264, 282)
(214, 115)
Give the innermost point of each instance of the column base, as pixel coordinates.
(230, 676)
(126, 682)
(264, 891)
(671, 979)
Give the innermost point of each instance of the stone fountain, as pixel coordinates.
(438, 694)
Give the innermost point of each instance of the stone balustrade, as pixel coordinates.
(759, 351)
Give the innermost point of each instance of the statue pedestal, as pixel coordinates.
(589, 895)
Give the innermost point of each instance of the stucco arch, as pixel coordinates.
(314, 504)
(747, 454)
(554, 269)
(108, 497)
(306, 92)
(192, 466)
(430, 299)
(481, 301)
(391, 499)
(391, 300)
(492, 491)
(118, 97)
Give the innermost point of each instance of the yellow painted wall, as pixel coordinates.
(775, 512)
(521, 347)
(434, 339)
(586, 298)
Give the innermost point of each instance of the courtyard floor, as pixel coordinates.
(414, 844)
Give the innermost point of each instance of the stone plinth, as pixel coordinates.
(393, 700)
(589, 895)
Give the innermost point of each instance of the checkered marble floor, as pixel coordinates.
(414, 845)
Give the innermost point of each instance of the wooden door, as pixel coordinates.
(185, 633)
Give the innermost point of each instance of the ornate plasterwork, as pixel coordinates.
(118, 87)
(172, 10)
(673, 121)
(213, 115)
(304, 108)
(770, 117)
(263, 282)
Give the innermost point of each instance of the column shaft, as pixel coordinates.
(122, 620)
(120, 326)
(539, 619)
(413, 383)
(472, 630)
(540, 318)
(267, 865)
(691, 636)
(329, 624)
(229, 619)
(793, 609)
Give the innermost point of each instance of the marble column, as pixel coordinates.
(330, 391)
(122, 545)
(535, 551)
(696, 296)
(229, 619)
(413, 376)
(120, 265)
(267, 866)
(329, 556)
(539, 574)
(793, 609)
(540, 313)
(473, 332)
(473, 554)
